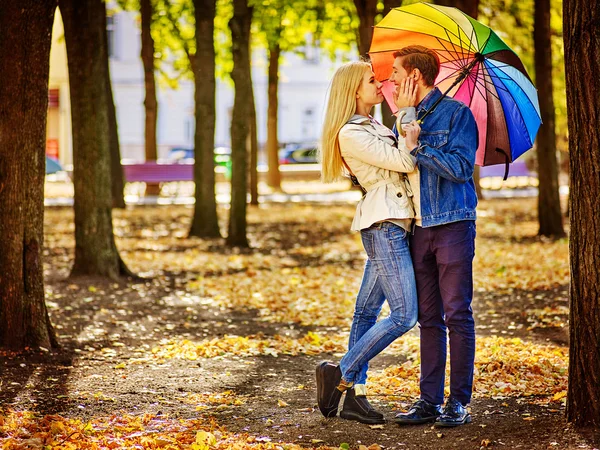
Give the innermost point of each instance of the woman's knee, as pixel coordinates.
(365, 316)
(404, 320)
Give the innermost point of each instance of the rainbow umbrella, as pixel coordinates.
(477, 68)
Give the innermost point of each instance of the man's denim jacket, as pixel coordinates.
(446, 158)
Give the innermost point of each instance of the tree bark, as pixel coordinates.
(549, 213)
(205, 223)
(582, 65)
(366, 10)
(252, 144)
(240, 33)
(273, 176)
(116, 170)
(470, 7)
(150, 103)
(87, 53)
(25, 38)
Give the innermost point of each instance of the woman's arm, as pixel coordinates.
(368, 148)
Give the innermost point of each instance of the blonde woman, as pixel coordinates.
(353, 142)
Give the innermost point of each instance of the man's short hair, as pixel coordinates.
(422, 58)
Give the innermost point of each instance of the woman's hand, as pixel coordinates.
(406, 94)
(412, 130)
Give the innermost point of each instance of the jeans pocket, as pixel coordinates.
(368, 243)
(398, 233)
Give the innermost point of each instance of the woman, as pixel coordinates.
(354, 141)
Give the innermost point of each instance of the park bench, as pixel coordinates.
(519, 176)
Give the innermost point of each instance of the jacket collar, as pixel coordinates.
(357, 119)
(429, 100)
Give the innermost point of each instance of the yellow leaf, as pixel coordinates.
(281, 404)
(559, 395)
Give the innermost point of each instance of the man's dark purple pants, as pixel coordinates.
(443, 262)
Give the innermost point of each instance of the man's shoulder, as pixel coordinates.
(452, 103)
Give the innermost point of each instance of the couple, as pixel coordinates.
(417, 224)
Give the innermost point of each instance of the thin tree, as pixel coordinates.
(367, 11)
(25, 38)
(205, 223)
(272, 145)
(150, 102)
(116, 169)
(582, 63)
(549, 213)
(95, 249)
(241, 74)
(470, 7)
(199, 50)
(252, 144)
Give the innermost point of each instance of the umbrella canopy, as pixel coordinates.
(52, 166)
(477, 68)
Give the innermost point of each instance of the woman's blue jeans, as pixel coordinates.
(388, 275)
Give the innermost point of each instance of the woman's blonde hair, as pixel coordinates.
(340, 107)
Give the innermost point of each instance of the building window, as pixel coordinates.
(111, 27)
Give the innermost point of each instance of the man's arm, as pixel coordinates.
(456, 161)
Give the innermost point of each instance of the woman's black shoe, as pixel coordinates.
(420, 412)
(328, 394)
(357, 407)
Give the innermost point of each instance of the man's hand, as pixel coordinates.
(406, 94)
(412, 130)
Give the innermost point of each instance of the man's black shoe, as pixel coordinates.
(454, 414)
(420, 412)
(357, 407)
(328, 395)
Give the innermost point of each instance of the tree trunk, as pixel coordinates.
(470, 7)
(582, 64)
(242, 78)
(273, 176)
(252, 144)
(549, 213)
(205, 223)
(150, 103)
(95, 249)
(116, 170)
(25, 38)
(366, 10)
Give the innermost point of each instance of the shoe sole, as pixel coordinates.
(320, 375)
(415, 422)
(453, 424)
(358, 418)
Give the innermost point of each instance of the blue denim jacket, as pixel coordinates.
(446, 159)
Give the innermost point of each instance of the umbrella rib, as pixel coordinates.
(454, 61)
(462, 54)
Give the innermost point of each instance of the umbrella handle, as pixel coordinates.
(506, 162)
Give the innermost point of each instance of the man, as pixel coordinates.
(443, 241)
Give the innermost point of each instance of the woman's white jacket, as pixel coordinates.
(369, 149)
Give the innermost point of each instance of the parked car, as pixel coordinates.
(298, 153)
(222, 157)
